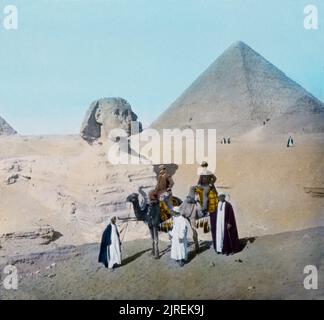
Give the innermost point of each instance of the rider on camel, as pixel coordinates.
(164, 186)
(206, 182)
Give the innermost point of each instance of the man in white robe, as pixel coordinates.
(178, 236)
(110, 248)
(220, 226)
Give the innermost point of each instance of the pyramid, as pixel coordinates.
(5, 128)
(241, 90)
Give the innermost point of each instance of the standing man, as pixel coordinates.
(178, 237)
(207, 183)
(191, 209)
(227, 241)
(110, 248)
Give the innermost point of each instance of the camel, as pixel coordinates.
(149, 213)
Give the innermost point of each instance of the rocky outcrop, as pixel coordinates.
(13, 170)
(75, 194)
(107, 114)
(5, 128)
(31, 240)
(44, 234)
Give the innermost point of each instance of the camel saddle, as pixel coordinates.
(212, 199)
(165, 211)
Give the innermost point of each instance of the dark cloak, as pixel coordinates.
(231, 240)
(105, 242)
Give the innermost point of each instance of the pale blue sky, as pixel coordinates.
(67, 53)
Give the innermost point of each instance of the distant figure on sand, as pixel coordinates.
(178, 237)
(227, 241)
(110, 248)
(290, 142)
(229, 140)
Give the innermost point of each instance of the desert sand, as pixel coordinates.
(269, 267)
(68, 186)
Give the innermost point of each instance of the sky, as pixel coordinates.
(67, 53)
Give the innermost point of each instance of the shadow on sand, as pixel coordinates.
(166, 250)
(203, 246)
(245, 241)
(134, 257)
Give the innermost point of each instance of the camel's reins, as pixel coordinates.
(126, 228)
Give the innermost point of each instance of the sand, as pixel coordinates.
(63, 183)
(269, 267)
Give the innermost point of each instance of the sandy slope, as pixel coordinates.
(269, 267)
(272, 187)
(67, 184)
(73, 188)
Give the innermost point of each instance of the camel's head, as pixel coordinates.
(132, 198)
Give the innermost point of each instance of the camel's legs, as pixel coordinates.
(156, 242)
(195, 234)
(153, 243)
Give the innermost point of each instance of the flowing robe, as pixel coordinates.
(114, 250)
(191, 210)
(220, 226)
(110, 250)
(228, 236)
(179, 242)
